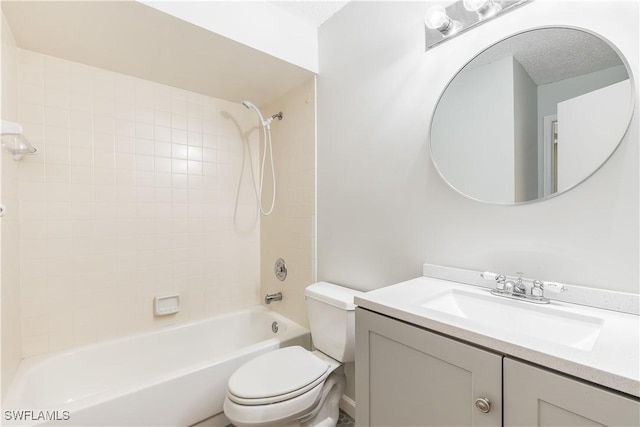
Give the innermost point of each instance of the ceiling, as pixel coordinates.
(311, 11)
(132, 38)
(553, 54)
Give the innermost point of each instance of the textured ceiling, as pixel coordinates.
(310, 11)
(553, 54)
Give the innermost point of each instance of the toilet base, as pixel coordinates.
(324, 413)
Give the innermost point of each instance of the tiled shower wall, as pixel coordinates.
(289, 232)
(135, 193)
(9, 229)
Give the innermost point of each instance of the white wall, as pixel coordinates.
(525, 134)
(382, 208)
(585, 125)
(258, 24)
(549, 95)
(478, 158)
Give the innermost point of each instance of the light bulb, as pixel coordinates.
(475, 5)
(484, 8)
(436, 18)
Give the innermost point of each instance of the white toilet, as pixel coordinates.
(292, 386)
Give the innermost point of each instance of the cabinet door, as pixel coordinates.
(408, 376)
(537, 397)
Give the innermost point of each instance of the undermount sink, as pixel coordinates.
(569, 329)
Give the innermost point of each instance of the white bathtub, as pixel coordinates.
(172, 377)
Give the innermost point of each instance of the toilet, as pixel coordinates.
(293, 386)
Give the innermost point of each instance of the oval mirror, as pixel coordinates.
(532, 116)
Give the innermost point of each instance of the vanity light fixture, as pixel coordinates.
(445, 23)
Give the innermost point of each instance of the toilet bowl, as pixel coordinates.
(292, 386)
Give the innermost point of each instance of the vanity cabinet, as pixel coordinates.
(537, 397)
(407, 376)
(410, 376)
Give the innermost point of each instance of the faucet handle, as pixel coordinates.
(497, 277)
(538, 289)
(555, 287)
(487, 275)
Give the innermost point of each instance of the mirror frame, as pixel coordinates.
(622, 136)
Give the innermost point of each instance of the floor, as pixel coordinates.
(344, 420)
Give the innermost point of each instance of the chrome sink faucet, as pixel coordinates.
(515, 288)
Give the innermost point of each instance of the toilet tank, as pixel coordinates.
(331, 314)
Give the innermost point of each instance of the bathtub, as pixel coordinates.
(172, 377)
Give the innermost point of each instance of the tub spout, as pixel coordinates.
(269, 298)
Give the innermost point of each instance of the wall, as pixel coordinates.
(382, 208)
(525, 134)
(585, 125)
(135, 193)
(549, 95)
(288, 232)
(258, 24)
(9, 235)
(482, 149)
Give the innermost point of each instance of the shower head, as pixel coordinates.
(266, 123)
(250, 106)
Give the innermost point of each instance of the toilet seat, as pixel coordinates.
(280, 412)
(278, 376)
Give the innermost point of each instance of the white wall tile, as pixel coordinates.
(162, 133)
(144, 130)
(31, 74)
(31, 94)
(119, 204)
(125, 111)
(57, 135)
(54, 97)
(103, 141)
(32, 113)
(125, 127)
(80, 79)
(81, 156)
(194, 138)
(81, 137)
(103, 124)
(82, 120)
(179, 136)
(179, 151)
(162, 102)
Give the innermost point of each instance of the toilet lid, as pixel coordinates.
(277, 373)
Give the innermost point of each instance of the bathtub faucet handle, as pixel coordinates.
(269, 298)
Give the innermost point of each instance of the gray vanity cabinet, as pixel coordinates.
(407, 376)
(410, 376)
(536, 397)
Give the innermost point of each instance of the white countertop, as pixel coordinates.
(613, 361)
